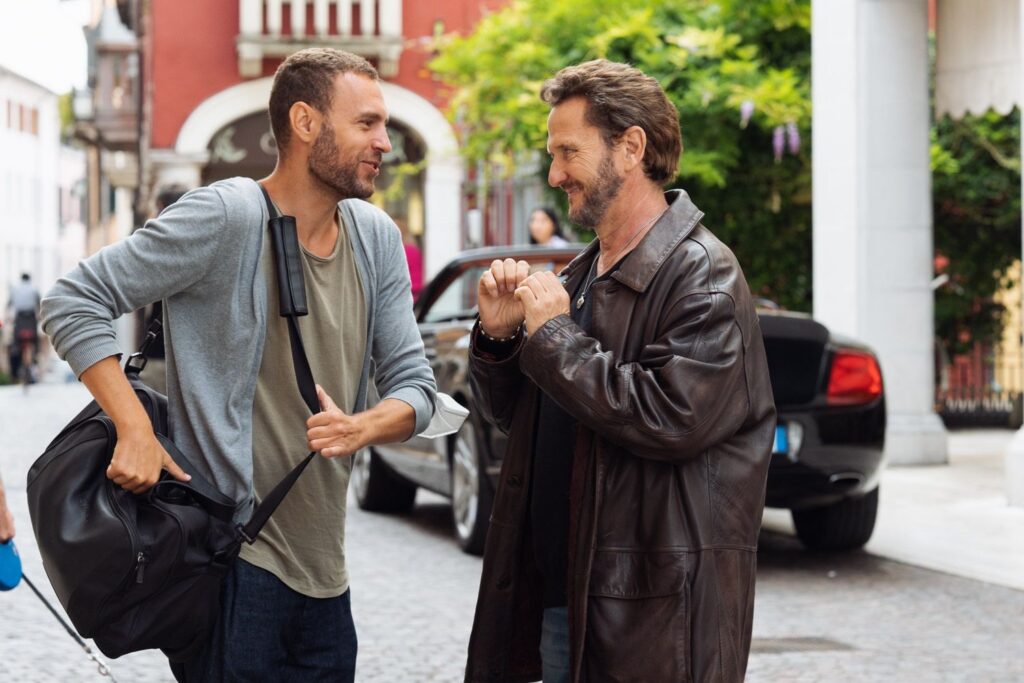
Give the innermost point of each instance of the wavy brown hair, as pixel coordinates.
(620, 96)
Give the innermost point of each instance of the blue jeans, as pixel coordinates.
(268, 632)
(554, 645)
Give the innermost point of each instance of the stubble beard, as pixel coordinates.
(342, 179)
(598, 196)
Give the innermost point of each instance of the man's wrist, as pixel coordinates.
(500, 336)
(138, 427)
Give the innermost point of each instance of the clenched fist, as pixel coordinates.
(543, 298)
(501, 313)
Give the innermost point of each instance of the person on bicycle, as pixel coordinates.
(24, 304)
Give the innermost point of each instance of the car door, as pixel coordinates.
(445, 328)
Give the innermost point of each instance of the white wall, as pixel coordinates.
(29, 178)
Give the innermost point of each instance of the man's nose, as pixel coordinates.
(556, 176)
(383, 142)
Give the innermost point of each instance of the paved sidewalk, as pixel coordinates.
(952, 518)
(819, 616)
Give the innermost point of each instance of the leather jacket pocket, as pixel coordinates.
(638, 618)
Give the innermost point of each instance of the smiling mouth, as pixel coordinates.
(374, 165)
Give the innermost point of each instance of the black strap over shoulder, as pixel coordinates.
(292, 287)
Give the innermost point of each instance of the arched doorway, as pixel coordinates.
(246, 147)
(439, 179)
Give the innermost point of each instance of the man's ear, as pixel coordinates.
(305, 122)
(634, 144)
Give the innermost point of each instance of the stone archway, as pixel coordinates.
(442, 174)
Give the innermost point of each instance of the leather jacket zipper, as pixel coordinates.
(140, 566)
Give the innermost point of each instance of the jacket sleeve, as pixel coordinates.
(495, 381)
(168, 255)
(402, 370)
(686, 391)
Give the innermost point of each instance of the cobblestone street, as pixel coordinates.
(818, 617)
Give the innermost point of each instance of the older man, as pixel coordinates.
(640, 418)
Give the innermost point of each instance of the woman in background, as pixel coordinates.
(545, 229)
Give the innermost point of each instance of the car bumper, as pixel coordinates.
(832, 455)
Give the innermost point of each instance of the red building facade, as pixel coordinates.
(206, 74)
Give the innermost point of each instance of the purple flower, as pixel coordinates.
(746, 111)
(778, 142)
(793, 138)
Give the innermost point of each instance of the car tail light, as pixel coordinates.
(855, 378)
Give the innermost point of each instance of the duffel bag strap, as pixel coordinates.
(292, 288)
(137, 361)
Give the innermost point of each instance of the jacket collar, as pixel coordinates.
(640, 265)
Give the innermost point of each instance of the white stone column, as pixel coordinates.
(442, 186)
(872, 202)
(1015, 454)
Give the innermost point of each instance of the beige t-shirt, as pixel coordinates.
(303, 543)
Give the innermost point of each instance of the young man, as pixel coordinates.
(233, 400)
(640, 417)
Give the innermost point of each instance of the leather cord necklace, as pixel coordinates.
(593, 266)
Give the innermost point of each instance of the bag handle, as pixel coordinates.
(292, 287)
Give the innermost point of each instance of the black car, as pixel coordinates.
(826, 458)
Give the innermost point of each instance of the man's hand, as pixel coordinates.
(138, 459)
(332, 432)
(6, 522)
(138, 456)
(500, 313)
(543, 297)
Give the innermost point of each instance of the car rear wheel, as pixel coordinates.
(471, 491)
(377, 488)
(845, 525)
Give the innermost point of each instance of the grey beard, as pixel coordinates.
(598, 197)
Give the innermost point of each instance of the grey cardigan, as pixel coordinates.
(201, 256)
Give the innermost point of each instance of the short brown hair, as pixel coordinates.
(620, 96)
(308, 76)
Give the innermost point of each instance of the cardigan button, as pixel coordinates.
(514, 481)
(504, 581)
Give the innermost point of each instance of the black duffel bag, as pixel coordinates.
(128, 568)
(143, 571)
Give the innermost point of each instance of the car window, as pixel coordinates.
(458, 301)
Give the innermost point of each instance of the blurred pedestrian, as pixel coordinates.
(413, 257)
(623, 537)
(23, 305)
(233, 401)
(545, 228)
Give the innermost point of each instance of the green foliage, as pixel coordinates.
(66, 113)
(976, 194)
(710, 57)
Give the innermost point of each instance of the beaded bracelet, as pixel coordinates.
(500, 340)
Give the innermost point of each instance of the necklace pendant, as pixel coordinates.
(579, 302)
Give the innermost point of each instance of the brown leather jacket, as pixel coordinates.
(676, 425)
